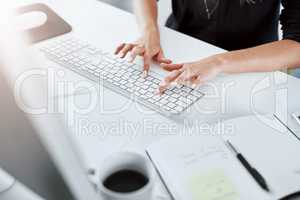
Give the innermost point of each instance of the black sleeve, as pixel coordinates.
(290, 19)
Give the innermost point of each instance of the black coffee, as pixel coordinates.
(125, 181)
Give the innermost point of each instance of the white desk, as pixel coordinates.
(106, 27)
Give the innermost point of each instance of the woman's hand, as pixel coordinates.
(192, 74)
(148, 46)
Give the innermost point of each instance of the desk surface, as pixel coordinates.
(226, 97)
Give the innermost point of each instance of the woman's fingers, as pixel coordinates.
(160, 58)
(197, 81)
(119, 48)
(125, 50)
(187, 76)
(184, 80)
(168, 81)
(146, 60)
(137, 51)
(171, 67)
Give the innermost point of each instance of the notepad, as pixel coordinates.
(202, 167)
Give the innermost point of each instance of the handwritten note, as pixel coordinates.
(212, 185)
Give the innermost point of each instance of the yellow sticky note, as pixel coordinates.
(213, 185)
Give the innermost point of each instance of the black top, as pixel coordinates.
(233, 25)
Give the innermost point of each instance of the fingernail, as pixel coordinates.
(194, 86)
(157, 92)
(131, 59)
(173, 84)
(162, 83)
(145, 73)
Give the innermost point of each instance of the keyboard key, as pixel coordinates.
(158, 103)
(181, 104)
(156, 97)
(169, 92)
(163, 101)
(131, 80)
(152, 90)
(151, 100)
(167, 108)
(197, 93)
(145, 87)
(92, 67)
(175, 95)
(123, 86)
(185, 100)
(156, 81)
(186, 89)
(98, 70)
(172, 99)
(138, 84)
(116, 83)
(191, 97)
(122, 81)
(149, 78)
(129, 85)
(149, 94)
(179, 108)
(144, 96)
(117, 79)
(171, 105)
(148, 82)
(142, 91)
(142, 80)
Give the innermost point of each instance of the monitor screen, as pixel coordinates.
(22, 153)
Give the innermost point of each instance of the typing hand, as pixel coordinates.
(148, 47)
(190, 74)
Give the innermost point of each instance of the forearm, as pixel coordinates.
(269, 57)
(146, 14)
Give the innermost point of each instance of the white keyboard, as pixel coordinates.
(120, 76)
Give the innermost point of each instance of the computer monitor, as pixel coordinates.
(36, 150)
(23, 155)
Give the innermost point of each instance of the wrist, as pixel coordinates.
(221, 62)
(150, 28)
(152, 35)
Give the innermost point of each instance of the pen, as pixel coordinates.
(254, 173)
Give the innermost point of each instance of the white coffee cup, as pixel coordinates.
(126, 161)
